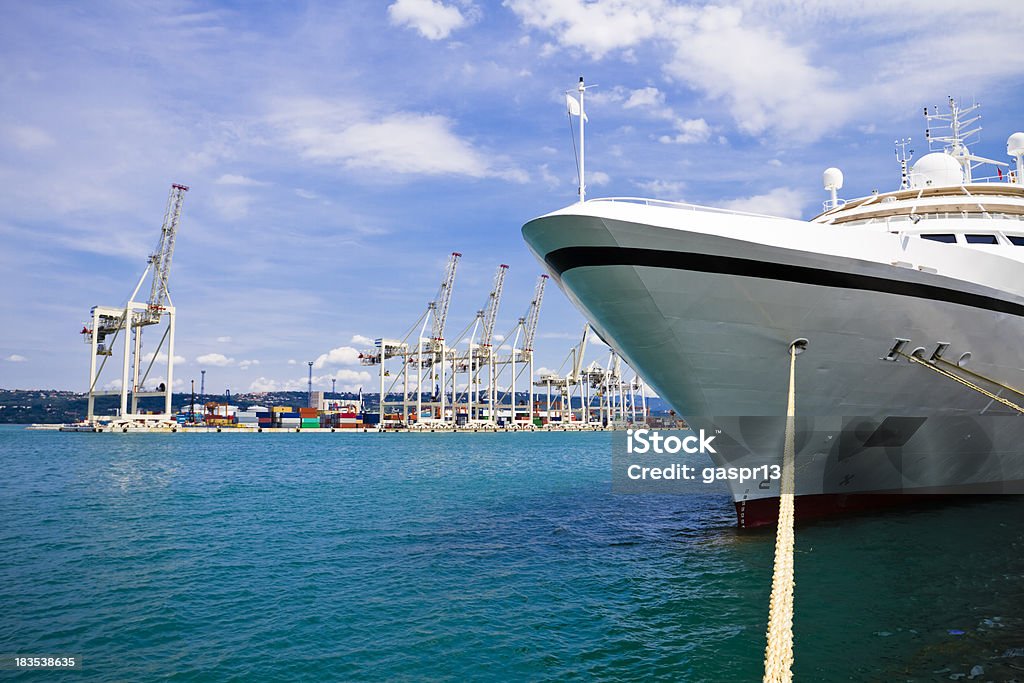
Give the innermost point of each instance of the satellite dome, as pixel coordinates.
(1015, 144)
(937, 169)
(832, 179)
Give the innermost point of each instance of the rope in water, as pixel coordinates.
(778, 654)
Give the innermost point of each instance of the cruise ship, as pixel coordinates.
(906, 306)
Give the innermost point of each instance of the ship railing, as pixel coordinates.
(681, 205)
(1007, 178)
(830, 204)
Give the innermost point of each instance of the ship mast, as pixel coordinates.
(955, 143)
(575, 108)
(583, 118)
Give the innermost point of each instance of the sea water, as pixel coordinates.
(279, 557)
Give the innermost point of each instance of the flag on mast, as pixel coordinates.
(574, 107)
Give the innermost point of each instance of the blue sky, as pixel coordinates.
(338, 151)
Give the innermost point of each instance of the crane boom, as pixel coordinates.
(491, 310)
(160, 260)
(533, 314)
(580, 351)
(444, 298)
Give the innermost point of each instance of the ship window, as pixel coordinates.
(981, 239)
(941, 237)
(1016, 239)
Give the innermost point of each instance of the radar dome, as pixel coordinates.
(1015, 144)
(937, 169)
(832, 178)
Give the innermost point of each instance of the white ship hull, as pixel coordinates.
(704, 304)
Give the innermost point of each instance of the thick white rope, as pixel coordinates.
(778, 654)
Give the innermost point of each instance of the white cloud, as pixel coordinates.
(361, 340)
(264, 384)
(29, 138)
(644, 97)
(162, 358)
(548, 177)
(246, 364)
(306, 194)
(292, 361)
(233, 206)
(434, 20)
(766, 82)
(690, 131)
(598, 179)
(224, 340)
(782, 201)
(347, 380)
(216, 359)
(400, 142)
(663, 189)
(342, 355)
(153, 382)
(597, 28)
(241, 180)
(16, 358)
(764, 60)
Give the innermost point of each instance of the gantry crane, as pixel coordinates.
(429, 353)
(480, 352)
(527, 329)
(130, 320)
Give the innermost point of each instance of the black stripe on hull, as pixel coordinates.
(567, 258)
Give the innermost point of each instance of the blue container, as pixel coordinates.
(371, 418)
(288, 415)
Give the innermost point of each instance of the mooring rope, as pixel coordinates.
(980, 376)
(965, 382)
(778, 654)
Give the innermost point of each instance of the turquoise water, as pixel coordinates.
(469, 556)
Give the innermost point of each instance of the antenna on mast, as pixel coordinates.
(902, 157)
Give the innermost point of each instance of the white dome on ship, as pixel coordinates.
(1015, 144)
(937, 169)
(832, 178)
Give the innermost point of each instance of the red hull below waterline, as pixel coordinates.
(764, 512)
(751, 514)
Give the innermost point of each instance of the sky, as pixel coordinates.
(337, 152)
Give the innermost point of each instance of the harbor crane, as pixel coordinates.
(130, 320)
(527, 328)
(484, 352)
(430, 351)
(479, 353)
